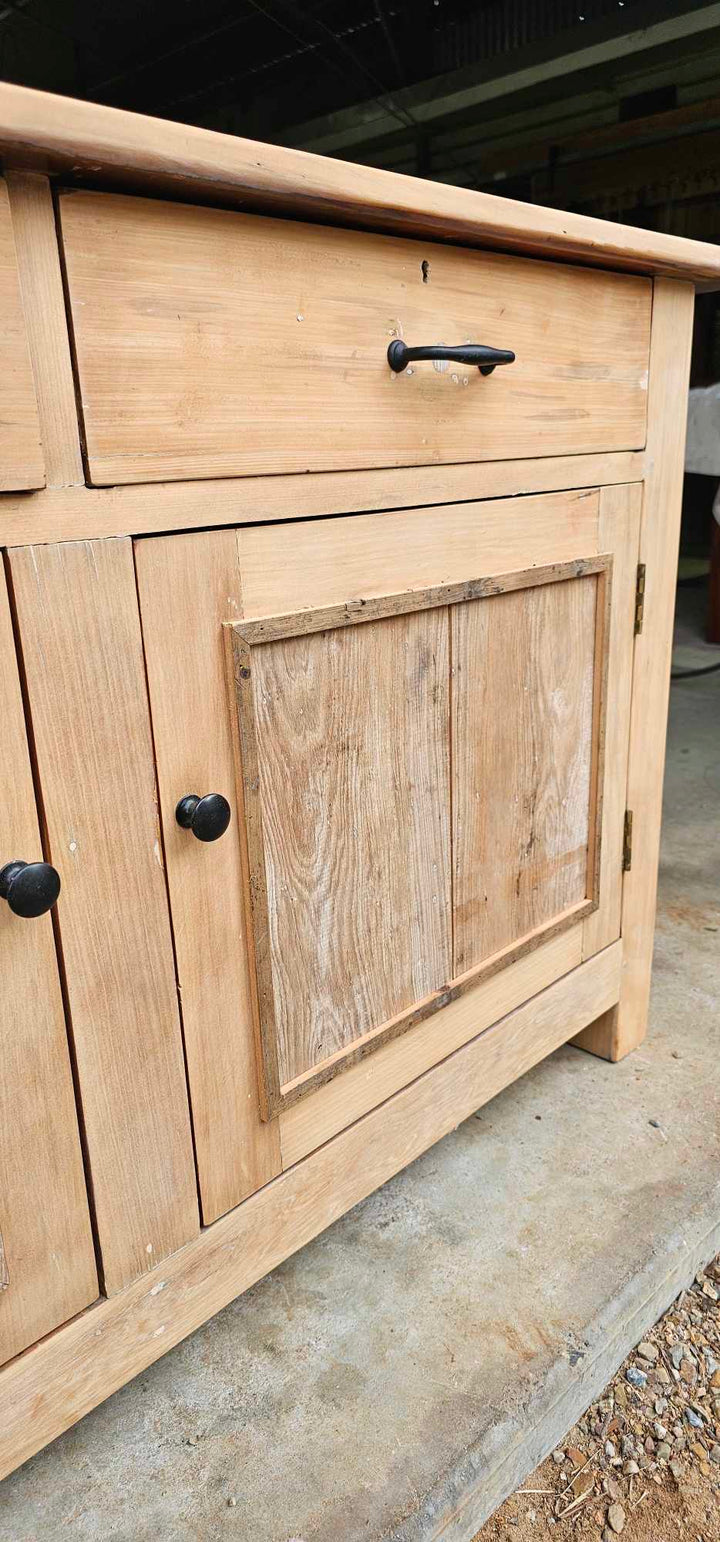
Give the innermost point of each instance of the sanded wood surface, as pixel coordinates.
(188, 587)
(625, 1026)
(71, 514)
(76, 138)
(619, 532)
(36, 242)
(82, 648)
(522, 734)
(4, 1275)
(339, 779)
(21, 457)
(336, 560)
(199, 331)
(311, 1121)
(354, 782)
(46, 1247)
(63, 1378)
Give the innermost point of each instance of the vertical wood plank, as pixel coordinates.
(46, 1246)
(522, 732)
(21, 458)
(623, 1027)
(189, 586)
(619, 532)
(82, 648)
(33, 218)
(352, 730)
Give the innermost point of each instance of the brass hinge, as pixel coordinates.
(627, 841)
(640, 598)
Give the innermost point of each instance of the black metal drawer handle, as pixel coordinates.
(399, 355)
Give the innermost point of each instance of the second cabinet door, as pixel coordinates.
(428, 712)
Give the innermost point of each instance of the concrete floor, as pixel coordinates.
(403, 1373)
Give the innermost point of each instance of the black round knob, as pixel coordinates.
(30, 888)
(207, 817)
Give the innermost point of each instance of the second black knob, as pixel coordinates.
(30, 888)
(207, 818)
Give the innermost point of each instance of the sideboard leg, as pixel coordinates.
(622, 1028)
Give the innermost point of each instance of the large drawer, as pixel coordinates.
(213, 344)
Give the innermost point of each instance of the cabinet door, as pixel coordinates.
(429, 713)
(46, 1254)
(21, 457)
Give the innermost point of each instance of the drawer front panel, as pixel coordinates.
(47, 1259)
(425, 762)
(213, 344)
(21, 457)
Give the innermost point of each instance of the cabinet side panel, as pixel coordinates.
(189, 585)
(44, 1216)
(82, 647)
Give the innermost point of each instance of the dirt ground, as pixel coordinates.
(644, 1461)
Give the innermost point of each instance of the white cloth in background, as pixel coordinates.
(702, 446)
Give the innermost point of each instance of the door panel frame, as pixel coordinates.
(245, 636)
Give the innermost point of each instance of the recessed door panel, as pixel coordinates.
(527, 674)
(421, 786)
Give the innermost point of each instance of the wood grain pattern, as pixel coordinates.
(80, 138)
(4, 1274)
(82, 648)
(21, 457)
(352, 746)
(335, 560)
(522, 730)
(198, 331)
(70, 514)
(44, 1217)
(63, 1378)
(624, 1027)
(36, 242)
(188, 587)
(310, 1122)
(328, 787)
(619, 532)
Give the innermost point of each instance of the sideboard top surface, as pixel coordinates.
(81, 141)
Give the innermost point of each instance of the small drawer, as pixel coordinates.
(216, 344)
(21, 457)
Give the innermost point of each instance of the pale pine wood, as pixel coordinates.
(21, 457)
(46, 1247)
(334, 560)
(81, 138)
(522, 735)
(623, 1028)
(310, 1122)
(198, 333)
(350, 853)
(188, 587)
(33, 218)
(329, 783)
(619, 532)
(63, 1378)
(82, 648)
(68, 514)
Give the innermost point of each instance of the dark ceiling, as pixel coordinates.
(275, 62)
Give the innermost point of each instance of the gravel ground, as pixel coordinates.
(644, 1462)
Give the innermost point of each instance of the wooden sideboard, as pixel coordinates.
(333, 683)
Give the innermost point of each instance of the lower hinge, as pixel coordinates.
(627, 841)
(640, 599)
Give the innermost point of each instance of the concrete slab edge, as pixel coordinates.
(466, 1496)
